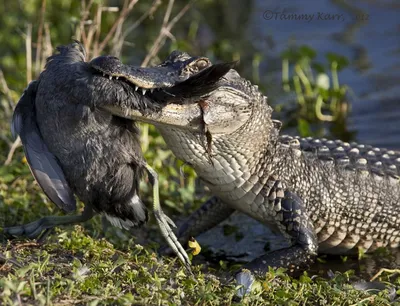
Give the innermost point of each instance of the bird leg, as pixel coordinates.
(35, 228)
(164, 221)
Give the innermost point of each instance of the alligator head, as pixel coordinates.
(177, 67)
(179, 79)
(233, 116)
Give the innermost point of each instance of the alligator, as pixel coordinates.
(324, 196)
(74, 147)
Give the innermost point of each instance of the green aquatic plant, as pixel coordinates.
(319, 95)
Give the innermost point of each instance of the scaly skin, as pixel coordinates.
(324, 196)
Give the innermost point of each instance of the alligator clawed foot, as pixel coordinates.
(166, 250)
(246, 279)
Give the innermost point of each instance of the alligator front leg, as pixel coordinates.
(293, 221)
(210, 214)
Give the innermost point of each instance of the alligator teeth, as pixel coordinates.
(143, 91)
(117, 77)
(151, 90)
(136, 88)
(104, 74)
(110, 77)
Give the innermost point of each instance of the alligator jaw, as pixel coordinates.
(150, 78)
(183, 82)
(188, 116)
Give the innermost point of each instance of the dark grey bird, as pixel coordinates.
(75, 147)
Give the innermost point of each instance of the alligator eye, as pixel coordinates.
(201, 64)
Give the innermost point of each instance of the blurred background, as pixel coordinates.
(329, 68)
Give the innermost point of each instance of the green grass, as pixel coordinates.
(79, 269)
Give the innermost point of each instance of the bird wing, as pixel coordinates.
(43, 164)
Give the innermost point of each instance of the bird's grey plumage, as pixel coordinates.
(99, 153)
(43, 164)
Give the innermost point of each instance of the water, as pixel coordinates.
(368, 34)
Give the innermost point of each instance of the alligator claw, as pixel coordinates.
(246, 279)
